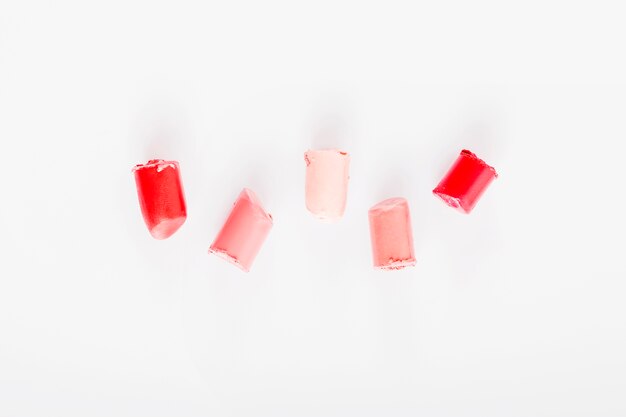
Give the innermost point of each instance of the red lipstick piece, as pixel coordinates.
(465, 182)
(161, 197)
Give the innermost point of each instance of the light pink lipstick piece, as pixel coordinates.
(326, 185)
(244, 231)
(390, 231)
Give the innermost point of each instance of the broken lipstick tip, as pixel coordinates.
(391, 234)
(326, 182)
(244, 231)
(161, 197)
(465, 182)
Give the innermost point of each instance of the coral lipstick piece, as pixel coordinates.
(390, 231)
(465, 182)
(244, 231)
(326, 185)
(161, 197)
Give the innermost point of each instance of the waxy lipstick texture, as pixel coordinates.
(465, 182)
(390, 231)
(161, 197)
(326, 184)
(244, 231)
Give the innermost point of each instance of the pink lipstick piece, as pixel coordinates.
(326, 185)
(244, 231)
(161, 196)
(390, 231)
(465, 182)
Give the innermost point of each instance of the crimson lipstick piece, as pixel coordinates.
(465, 182)
(161, 197)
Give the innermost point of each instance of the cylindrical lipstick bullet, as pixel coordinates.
(161, 197)
(391, 234)
(326, 184)
(243, 232)
(465, 182)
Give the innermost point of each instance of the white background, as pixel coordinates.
(515, 310)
